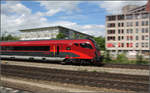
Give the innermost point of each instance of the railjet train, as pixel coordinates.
(66, 51)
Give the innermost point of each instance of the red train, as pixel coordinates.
(78, 50)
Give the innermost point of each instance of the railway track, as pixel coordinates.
(93, 79)
(12, 90)
(125, 66)
(128, 66)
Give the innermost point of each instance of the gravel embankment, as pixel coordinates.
(80, 68)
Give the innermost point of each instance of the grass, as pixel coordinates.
(94, 71)
(122, 59)
(145, 62)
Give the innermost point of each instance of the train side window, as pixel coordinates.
(8, 48)
(35, 48)
(86, 45)
(76, 44)
(3, 48)
(68, 48)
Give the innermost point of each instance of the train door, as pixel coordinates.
(56, 48)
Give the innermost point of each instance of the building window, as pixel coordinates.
(118, 24)
(122, 31)
(129, 30)
(127, 44)
(131, 45)
(122, 37)
(137, 16)
(119, 31)
(111, 31)
(142, 44)
(122, 24)
(119, 38)
(129, 17)
(143, 30)
(146, 23)
(137, 44)
(129, 37)
(111, 18)
(119, 44)
(143, 37)
(111, 38)
(146, 30)
(120, 17)
(143, 23)
(146, 44)
(129, 24)
(110, 45)
(144, 15)
(137, 23)
(122, 44)
(111, 25)
(146, 37)
(137, 38)
(137, 30)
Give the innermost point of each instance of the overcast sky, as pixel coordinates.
(84, 16)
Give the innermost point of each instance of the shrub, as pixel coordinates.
(140, 59)
(107, 57)
(121, 58)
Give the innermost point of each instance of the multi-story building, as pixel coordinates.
(51, 33)
(129, 31)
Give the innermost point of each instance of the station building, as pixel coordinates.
(51, 33)
(129, 31)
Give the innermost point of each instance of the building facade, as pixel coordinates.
(51, 33)
(129, 31)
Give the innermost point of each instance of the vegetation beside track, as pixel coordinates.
(122, 59)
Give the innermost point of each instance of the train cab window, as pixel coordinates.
(68, 48)
(76, 44)
(86, 45)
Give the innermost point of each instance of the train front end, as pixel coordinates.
(98, 57)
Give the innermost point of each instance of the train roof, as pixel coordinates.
(42, 42)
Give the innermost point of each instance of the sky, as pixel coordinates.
(84, 16)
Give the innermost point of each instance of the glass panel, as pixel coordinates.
(85, 45)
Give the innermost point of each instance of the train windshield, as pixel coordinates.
(86, 45)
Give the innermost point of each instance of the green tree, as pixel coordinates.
(9, 37)
(60, 36)
(100, 42)
(74, 36)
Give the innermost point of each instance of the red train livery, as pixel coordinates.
(67, 50)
